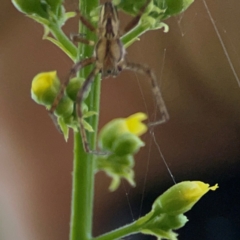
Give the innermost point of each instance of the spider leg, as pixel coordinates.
(85, 22)
(80, 98)
(75, 68)
(155, 89)
(136, 19)
(76, 37)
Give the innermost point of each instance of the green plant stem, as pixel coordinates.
(64, 40)
(126, 230)
(78, 227)
(134, 34)
(84, 163)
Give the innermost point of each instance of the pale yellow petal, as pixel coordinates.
(135, 125)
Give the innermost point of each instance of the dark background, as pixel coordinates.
(200, 142)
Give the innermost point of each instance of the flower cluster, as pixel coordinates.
(119, 138)
(45, 88)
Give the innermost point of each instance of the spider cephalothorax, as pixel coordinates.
(109, 60)
(109, 50)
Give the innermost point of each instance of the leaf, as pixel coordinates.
(69, 15)
(64, 128)
(89, 114)
(87, 126)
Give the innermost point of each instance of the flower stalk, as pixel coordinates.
(83, 172)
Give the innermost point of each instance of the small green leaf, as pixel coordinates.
(87, 126)
(89, 114)
(64, 128)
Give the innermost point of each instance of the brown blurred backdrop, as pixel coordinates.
(200, 142)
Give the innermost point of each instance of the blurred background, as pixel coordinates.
(200, 142)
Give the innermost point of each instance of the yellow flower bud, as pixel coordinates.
(181, 197)
(45, 87)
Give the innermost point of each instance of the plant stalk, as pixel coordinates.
(84, 163)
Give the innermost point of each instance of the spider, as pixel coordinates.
(109, 60)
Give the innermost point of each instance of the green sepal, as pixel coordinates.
(127, 143)
(117, 167)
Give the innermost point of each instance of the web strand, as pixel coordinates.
(162, 156)
(222, 43)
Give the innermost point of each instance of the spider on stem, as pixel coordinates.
(109, 60)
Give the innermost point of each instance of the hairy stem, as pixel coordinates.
(83, 173)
